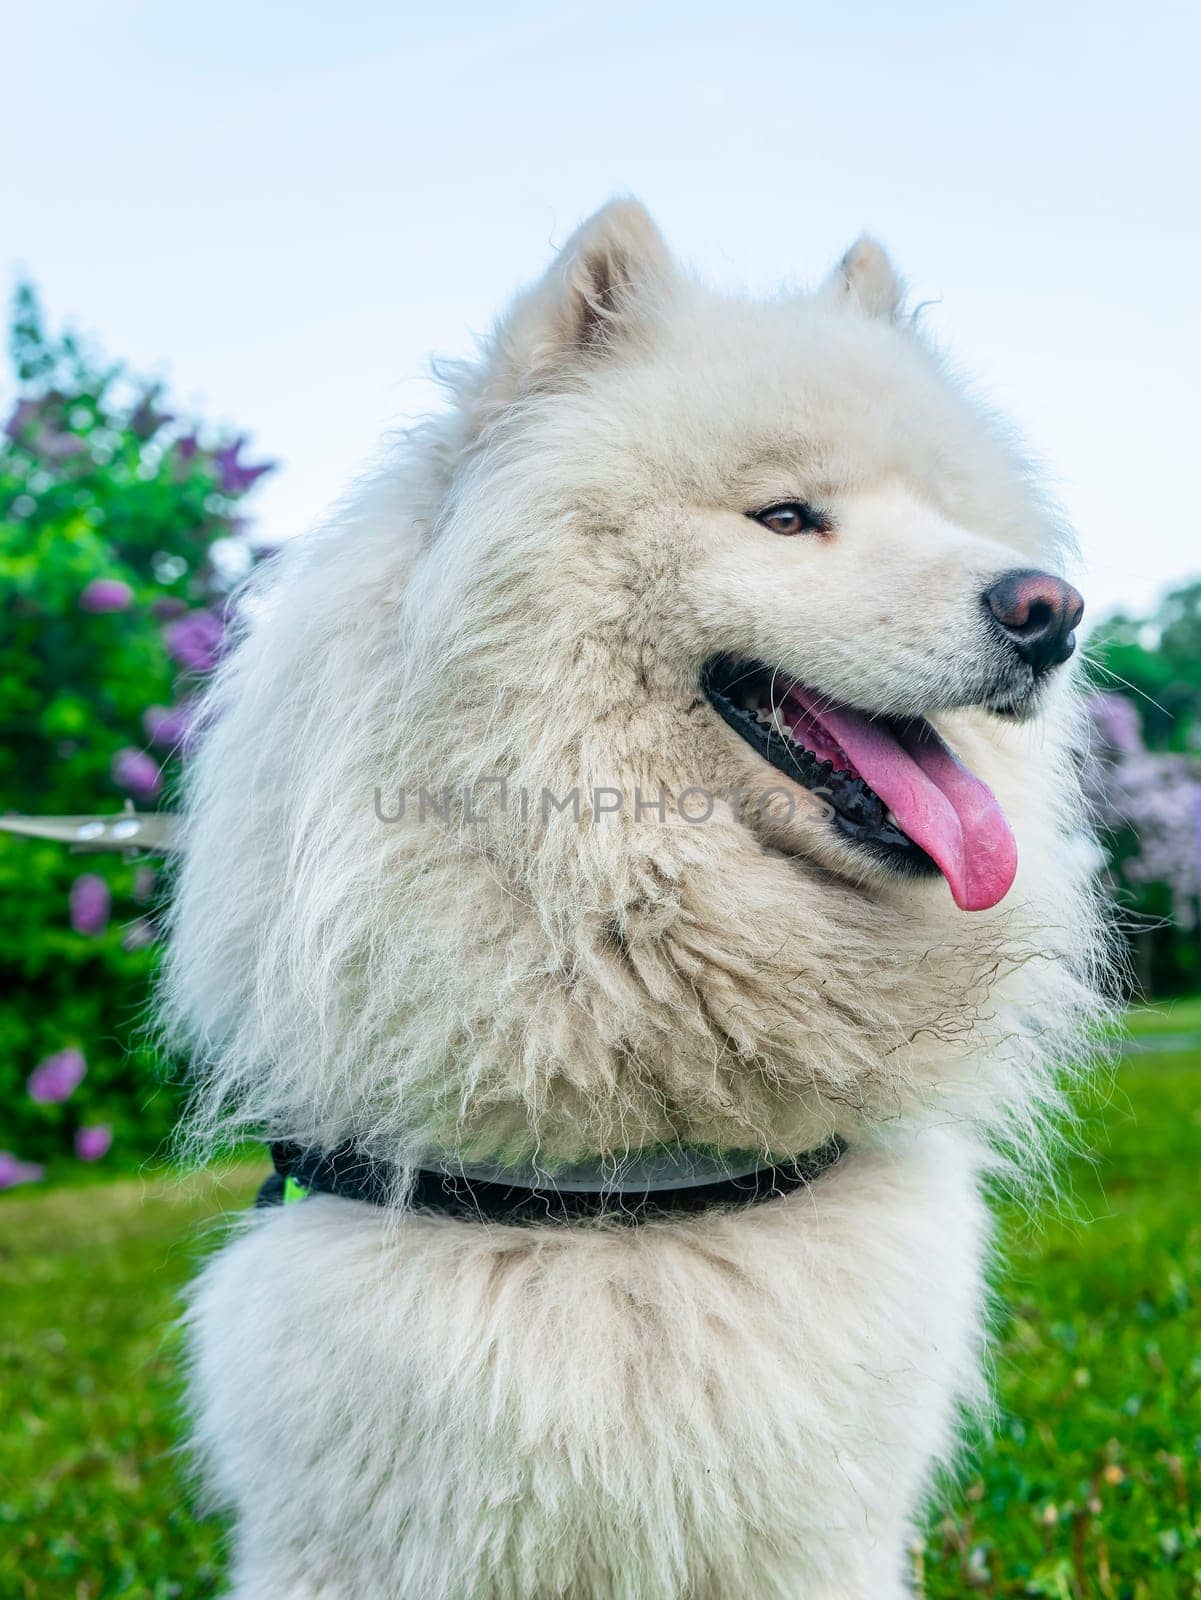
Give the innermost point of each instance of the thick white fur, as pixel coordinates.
(740, 1405)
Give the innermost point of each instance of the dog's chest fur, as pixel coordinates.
(746, 1405)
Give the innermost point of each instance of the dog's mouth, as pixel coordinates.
(890, 786)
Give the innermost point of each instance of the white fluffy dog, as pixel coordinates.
(665, 546)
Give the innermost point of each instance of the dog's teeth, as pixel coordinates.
(890, 816)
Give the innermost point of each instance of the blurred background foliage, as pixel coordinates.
(123, 536)
(1143, 775)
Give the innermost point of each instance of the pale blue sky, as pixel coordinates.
(284, 209)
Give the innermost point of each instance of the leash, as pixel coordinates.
(676, 1182)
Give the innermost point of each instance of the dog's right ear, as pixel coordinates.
(866, 281)
(600, 294)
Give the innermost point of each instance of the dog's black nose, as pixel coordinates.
(1037, 614)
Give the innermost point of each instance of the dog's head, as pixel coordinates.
(789, 508)
(727, 642)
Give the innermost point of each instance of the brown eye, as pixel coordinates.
(792, 516)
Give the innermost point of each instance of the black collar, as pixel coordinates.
(353, 1175)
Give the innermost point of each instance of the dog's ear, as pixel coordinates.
(866, 281)
(600, 293)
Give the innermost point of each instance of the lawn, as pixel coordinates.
(1168, 1016)
(1088, 1486)
(92, 1497)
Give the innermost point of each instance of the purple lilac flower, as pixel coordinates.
(235, 476)
(57, 1077)
(186, 447)
(195, 640)
(167, 607)
(54, 444)
(137, 773)
(1116, 720)
(1153, 795)
(24, 413)
(167, 725)
(91, 904)
(13, 1171)
(144, 880)
(139, 934)
(147, 419)
(106, 594)
(93, 1143)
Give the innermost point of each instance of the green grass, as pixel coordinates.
(1090, 1485)
(93, 1502)
(1167, 1016)
(1088, 1489)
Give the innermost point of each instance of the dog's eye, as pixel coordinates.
(792, 516)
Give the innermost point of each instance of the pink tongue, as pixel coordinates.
(936, 800)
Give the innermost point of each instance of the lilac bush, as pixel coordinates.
(1149, 804)
(117, 522)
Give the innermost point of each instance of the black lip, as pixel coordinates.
(855, 810)
(1022, 707)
